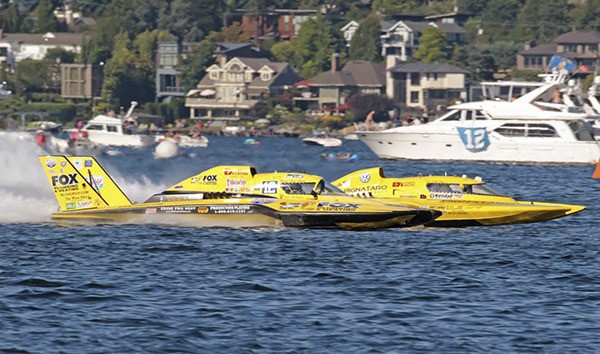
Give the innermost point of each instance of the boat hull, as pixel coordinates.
(244, 215)
(449, 147)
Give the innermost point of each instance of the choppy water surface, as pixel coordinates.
(522, 288)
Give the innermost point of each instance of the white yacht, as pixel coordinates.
(111, 131)
(526, 130)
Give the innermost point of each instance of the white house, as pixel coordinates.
(15, 47)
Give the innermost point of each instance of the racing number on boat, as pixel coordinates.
(269, 187)
(474, 139)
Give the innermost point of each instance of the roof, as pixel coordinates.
(366, 73)
(592, 37)
(435, 67)
(337, 78)
(53, 38)
(546, 48)
(354, 73)
(419, 26)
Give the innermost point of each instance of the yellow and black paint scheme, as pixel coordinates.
(463, 201)
(236, 196)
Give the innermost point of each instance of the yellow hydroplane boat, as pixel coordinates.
(235, 196)
(464, 201)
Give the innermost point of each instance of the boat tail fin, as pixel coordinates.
(100, 180)
(71, 189)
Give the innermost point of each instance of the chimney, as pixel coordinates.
(335, 62)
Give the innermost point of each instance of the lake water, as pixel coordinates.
(160, 289)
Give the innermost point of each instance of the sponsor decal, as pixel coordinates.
(77, 163)
(441, 196)
(365, 189)
(261, 201)
(294, 175)
(365, 177)
(269, 187)
(235, 182)
(230, 209)
(70, 206)
(194, 180)
(403, 184)
(88, 163)
(50, 163)
(64, 180)
(234, 172)
(474, 139)
(178, 187)
(63, 164)
(285, 205)
(150, 210)
(97, 182)
(178, 209)
(422, 196)
(202, 209)
(52, 172)
(210, 178)
(84, 204)
(337, 206)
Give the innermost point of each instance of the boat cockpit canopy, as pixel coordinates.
(479, 189)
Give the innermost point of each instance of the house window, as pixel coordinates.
(415, 78)
(3, 52)
(265, 76)
(572, 48)
(214, 75)
(414, 96)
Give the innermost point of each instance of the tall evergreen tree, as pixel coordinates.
(12, 20)
(498, 20)
(542, 20)
(45, 20)
(365, 44)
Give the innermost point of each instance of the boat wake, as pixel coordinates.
(26, 194)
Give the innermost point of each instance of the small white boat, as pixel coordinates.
(187, 141)
(322, 140)
(109, 131)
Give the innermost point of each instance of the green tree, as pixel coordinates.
(542, 20)
(432, 44)
(587, 16)
(314, 46)
(365, 44)
(283, 52)
(193, 66)
(12, 20)
(498, 20)
(45, 20)
(60, 55)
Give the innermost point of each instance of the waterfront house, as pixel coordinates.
(232, 89)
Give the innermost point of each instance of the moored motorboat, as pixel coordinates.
(233, 196)
(322, 140)
(464, 201)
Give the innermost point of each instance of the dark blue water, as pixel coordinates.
(116, 289)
